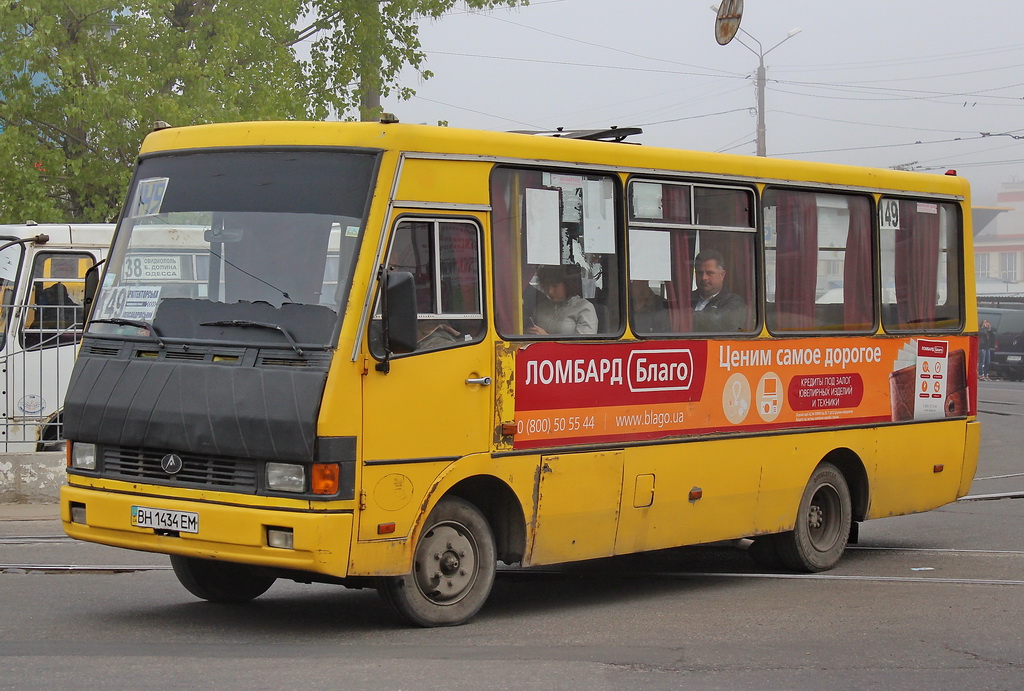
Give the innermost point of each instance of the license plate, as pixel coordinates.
(1013, 358)
(162, 519)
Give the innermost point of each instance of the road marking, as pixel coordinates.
(31, 539)
(787, 576)
(78, 568)
(1000, 477)
(992, 497)
(949, 550)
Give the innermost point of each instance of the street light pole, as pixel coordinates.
(761, 78)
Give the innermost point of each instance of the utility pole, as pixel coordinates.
(761, 79)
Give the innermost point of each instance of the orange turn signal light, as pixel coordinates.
(325, 478)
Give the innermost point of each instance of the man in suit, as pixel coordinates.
(714, 308)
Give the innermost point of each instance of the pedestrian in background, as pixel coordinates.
(986, 344)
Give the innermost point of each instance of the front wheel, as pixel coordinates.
(822, 524)
(453, 568)
(218, 581)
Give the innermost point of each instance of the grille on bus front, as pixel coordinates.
(232, 474)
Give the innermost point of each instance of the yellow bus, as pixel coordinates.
(409, 353)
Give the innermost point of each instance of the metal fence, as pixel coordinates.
(38, 354)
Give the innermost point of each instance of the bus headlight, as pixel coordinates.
(83, 456)
(286, 477)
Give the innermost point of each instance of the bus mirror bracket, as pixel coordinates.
(92, 282)
(398, 315)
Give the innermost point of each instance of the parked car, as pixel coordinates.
(1008, 358)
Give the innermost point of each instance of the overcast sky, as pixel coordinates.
(876, 82)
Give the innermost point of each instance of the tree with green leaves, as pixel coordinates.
(82, 81)
(360, 47)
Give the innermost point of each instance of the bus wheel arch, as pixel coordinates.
(856, 476)
(768, 551)
(503, 511)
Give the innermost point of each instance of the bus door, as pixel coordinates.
(42, 352)
(435, 404)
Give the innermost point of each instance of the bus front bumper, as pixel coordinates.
(319, 540)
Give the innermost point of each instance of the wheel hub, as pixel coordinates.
(446, 564)
(817, 517)
(822, 518)
(449, 563)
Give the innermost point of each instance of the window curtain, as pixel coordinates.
(508, 214)
(504, 229)
(796, 260)
(738, 250)
(680, 309)
(676, 207)
(858, 287)
(917, 266)
(459, 270)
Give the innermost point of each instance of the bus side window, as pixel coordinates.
(55, 313)
(444, 258)
(691, 258)
(557, 271)
(921, 250)
(818, 264)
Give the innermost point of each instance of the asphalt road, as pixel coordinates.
(933, 601)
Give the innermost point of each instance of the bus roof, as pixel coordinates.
(509, 145)
(98, 234)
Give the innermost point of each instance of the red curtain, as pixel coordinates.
(917, 265)
(680, 310)
(460, 268)
(738, 250)
(676, 208)
(796, 260)
(858, 288)
(503, 245)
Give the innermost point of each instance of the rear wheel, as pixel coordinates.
(453, 568)
(220, 581)
(822, 525)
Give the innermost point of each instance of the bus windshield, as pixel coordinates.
(10, 262)
(212, 243)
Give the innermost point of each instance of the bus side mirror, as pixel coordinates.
(92, 282)
(399, 312)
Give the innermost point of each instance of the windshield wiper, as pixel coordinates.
(150, 329)
(261, 325)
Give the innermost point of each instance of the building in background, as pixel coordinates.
(999, 247)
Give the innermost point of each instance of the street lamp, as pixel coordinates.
(761, 78)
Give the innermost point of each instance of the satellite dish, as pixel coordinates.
(730, 12)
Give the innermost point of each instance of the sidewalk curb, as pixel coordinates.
(29, 512)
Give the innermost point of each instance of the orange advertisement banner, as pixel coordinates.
(591, 393)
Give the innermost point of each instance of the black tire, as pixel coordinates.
(822, 523)
(218, 581)
(452, 572)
